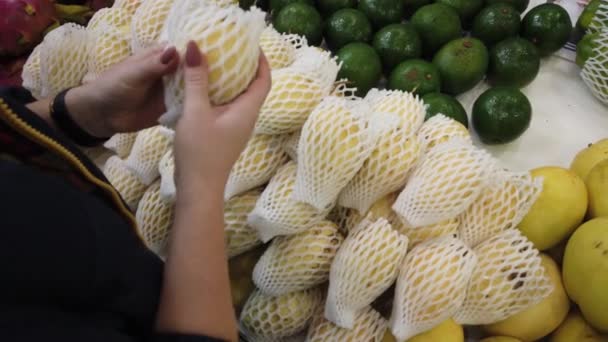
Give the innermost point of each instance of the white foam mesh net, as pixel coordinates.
(351, 218)
(335, 142)
(148, 22)
(121, 144)
(508, 279)
(166, 169)
(278, 213)
(431, 285)
(280, 49)
(258, 162)
(600, 19)
(130, 6)
(295, 92)
(407, 106)
(63, 60)
(445, 183)
(154, 217)
(149, 147)
(421, 234)
(31, 73)
(109, 17)
(439, 129)
(501, 205)
(365, 266)
(291, 145)
(595, 70)
(228, 36)
(298, 262)
(369, 326)
(124, 181)
(239, 236)
(108, 46)
(265, 317)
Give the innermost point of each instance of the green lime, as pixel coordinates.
(514, 62)
(328, 7)
(467, 9)
(547, 26)
(300, 19)
(415, 75)
(397, 42)
(586, 17)
(501, 115)
(495, 23)
(346, 26)
(519, 5)
(382, 12)
(277, 5)
(437, 24)
(411, 6)
(437, 103)
(361, 66)
(585, 48)
(462, 63)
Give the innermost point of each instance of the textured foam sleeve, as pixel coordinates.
(229, 37)
(291, 145)
(154, 217)
(445, 183)
(439, 129)
(296, 91)
(408, 107)
(121, 144)
(149, 147)
(508, 279)
(130, 6)
(501, 205)
(380, 209)
(298, 262)
(420, 234)
(240, 237)
(365, 266)
(148, 22)
(369, 327)
(268, 317)
(277, 213)
(431, 285)
(335, 141)
(108, 46)
(124, 181)
(31, 72)
(166, 169)
(595, 70)
(280, 49)
(112, 17)
(258, 162)
(63, 60)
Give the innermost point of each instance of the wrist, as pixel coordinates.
(85, 111)
(191, 190)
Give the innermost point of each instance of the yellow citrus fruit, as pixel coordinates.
(575, 329)
(448, 331)
(586, 159)
(500, 339)
(597, 187)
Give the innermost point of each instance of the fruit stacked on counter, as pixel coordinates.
(592, 49)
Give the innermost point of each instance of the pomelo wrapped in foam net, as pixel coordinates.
(166, 169)
(124, 181)
(291, 145)
(149, 147)
(109, 17)
(258, 162)
(229, 37)
(31, 73)
(420, 234)
(130, 6)
(63, 59)
(108, 46)
(121, 144)
(280, 49)
(298, 262)
(365, 266)
(277, 213)
(439, 129)
(239, 236)
(154, 217)
(407, 107)
(501, 205)
(267, 317)
(508, 279)
(296, 91)
(595, 70)
(369, 326)
(431, 285)
(336, 140)
(380, 209)
(148, 22)
(444, 184)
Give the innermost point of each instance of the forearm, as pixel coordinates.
(196, 290)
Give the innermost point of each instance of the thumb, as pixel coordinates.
(196, 81)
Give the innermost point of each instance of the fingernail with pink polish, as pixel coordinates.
(193, 55)
(168, 55)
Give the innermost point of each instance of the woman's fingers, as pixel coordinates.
(196, 81)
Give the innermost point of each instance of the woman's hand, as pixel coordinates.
(128, 97)
(209, 139)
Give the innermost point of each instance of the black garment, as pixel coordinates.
(73, 266)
